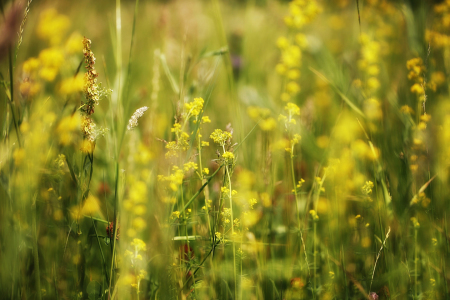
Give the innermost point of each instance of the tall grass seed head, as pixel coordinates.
(133, 122)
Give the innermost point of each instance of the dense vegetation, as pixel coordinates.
(198, 149)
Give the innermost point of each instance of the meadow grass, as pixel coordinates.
(257, 149)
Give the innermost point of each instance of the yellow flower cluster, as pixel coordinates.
(438, 36)
(416, 74)
(209, 204)
(301, 12)
(314, 215)
(415, 223)
(67, 129)
(220, 137)
(135, 257)
(226, 214)
(175, 215)
(300, 183)
(367, 188)
(437, 39)
(422, 198)
(194, 108)
(190, 166)
(252, 202)
(36, 131)
(50, 61)
(228, 157)
(175, 179)
(294, 141)
(292, 111)
(369, 65)
(416, 68)
(71, 85)
(262, 115)
(180, 144)
(135, 205)
(52, 26)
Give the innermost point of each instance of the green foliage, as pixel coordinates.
(224, 150)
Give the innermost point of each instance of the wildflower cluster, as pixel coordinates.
(135, 256)
(415, 222)
(39, 71)
(174, 180)
(263, 116)
(289, 120)
(220, 137)
(208, 205)
(320, 158)
(135, 205)
(416, 69)
(181, 142)
(437, 34)
(421, 198)
(369, 65)
(294, 141)
(194, 109)
(314, 215)
(300, 13)
(367, 188)
(418, 147)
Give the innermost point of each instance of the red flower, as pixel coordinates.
(297, 283)
(110, 231)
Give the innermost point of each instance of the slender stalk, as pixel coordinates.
(227, 171)
(297, 209)
(101, 250)
(315, 260)
(37, 271)
(187, 239)
(11, 100)
(113, 241)
(415, 263)
(202, 178)
(200, 190)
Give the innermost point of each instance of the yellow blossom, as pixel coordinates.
(72, 85)
(139, 245)
(228, 156)
(52, 26)
(314, 215)
(417, 89)
(194, 108)
(91, 205)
